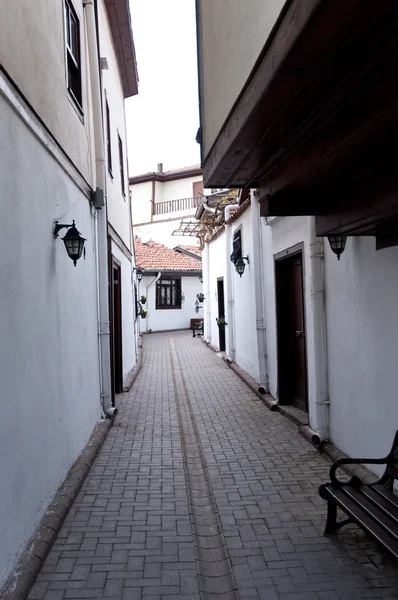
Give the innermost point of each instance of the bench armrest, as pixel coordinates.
(352, 461)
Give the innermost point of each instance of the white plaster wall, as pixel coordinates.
(362, 328)
(231, 37)
(244, 302)
(128, 330)
(48, 331)
(36, 63)
(178, 188)
(141, 196)
(118, 204)
(162, 233)
(167, 319)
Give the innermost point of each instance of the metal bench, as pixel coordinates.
(197, 327)
(373, 507)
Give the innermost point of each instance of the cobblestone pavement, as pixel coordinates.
(200, 492)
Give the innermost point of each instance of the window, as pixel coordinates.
(108, 137)
(168, 293)
(73, 65)
(121, 165)
(236, 246)
(197, 189)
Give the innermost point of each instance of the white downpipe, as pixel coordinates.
(321, 420)
(150, 284)
(230, 306)
(257, 269)
(100, 181)
(207, 293)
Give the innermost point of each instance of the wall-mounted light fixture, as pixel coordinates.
(240, 265)
(139, 273)
(201, 278)
(337, 244)
(74, 242)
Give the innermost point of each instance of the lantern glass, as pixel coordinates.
(337, 244)
(240, 266)
(139, 274)
(74, 244)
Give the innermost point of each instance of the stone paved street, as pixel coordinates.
(200, 491)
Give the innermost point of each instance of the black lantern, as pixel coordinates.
(337, 244)
(138, 272)
(240, 265)
(74, 242)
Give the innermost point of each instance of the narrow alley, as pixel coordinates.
(200, 491)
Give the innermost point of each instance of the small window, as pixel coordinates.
(197, 189)
(236, 246)
(168, 293)
(121, 160)
(108, 137)
(73, 62)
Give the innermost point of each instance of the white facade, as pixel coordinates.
(169, 319)
(49, 343)
(160, 201)
(351, 325)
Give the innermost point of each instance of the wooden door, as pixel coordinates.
(292, 362)
(221, 313)
(115, 321)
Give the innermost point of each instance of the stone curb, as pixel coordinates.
(32, 560)
(132, 376)
(326, 447)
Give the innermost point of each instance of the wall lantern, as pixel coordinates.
(74, 242)
(201, 278)
(337, 244)
(139, 273)
(240, 265)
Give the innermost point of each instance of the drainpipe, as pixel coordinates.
(321, 425)
(207, 292)
(150, 284)
(230, 316)
(100, 180)
(257, 263)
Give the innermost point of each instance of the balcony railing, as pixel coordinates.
(161, 208)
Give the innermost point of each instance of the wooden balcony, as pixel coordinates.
(171, 206)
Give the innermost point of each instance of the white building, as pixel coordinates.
(161, 200)
(61, 119)
(168, 290)
(314, 149)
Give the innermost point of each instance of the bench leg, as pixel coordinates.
(331, 521)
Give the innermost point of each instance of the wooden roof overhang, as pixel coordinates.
(316, 126)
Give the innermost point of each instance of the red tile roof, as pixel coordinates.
(192, 249)
(151, 256)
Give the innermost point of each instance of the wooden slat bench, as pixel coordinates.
(197, 327)
(373, 507)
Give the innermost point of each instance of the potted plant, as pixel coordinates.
(143, 299)
(143, 313)
(221, 321)
(200, 297)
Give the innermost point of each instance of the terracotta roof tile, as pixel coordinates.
(151, 256)
(192, 249)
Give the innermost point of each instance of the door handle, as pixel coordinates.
(299, 334)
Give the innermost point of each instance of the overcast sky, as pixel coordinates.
(163, 119)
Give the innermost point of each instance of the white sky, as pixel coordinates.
(162, 120)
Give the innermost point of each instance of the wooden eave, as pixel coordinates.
(316, 125)
(164, 177)
(120, 23)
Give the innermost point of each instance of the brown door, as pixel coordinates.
(115, 318)
(292, 363)
(221, 313)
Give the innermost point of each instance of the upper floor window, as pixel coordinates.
(168, 293)
(73, 62)
(121, 160)
(236, 246)
(108, 137)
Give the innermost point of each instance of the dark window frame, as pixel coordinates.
(121, 161)
(108, 138)
(236, 246)
(172, 292)
(73, 55)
